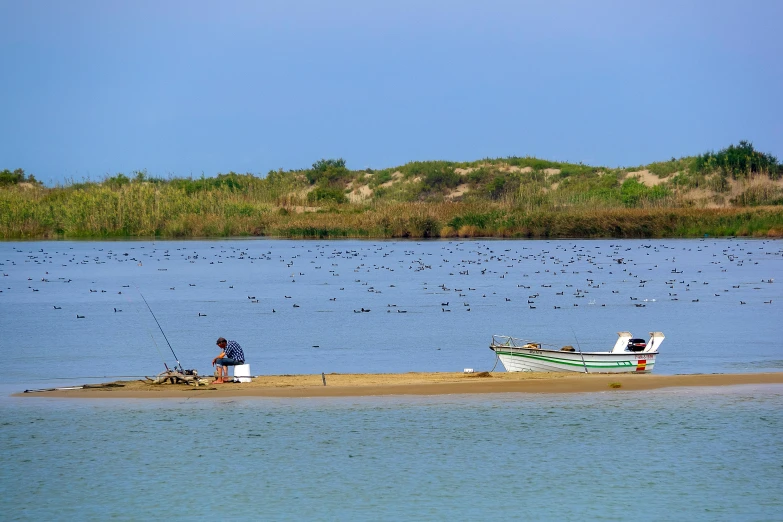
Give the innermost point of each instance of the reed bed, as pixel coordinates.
(166, 210)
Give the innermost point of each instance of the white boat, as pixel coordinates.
(629, 355)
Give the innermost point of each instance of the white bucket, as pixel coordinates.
(242, 373)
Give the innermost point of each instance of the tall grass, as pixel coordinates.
(148, 209)
(538, 199)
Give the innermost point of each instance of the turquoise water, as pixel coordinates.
(685, 454)
(709, 454)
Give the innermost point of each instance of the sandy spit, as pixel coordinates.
(359, 385)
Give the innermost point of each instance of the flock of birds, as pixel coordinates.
(529, 274)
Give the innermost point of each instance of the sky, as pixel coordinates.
(92, 88)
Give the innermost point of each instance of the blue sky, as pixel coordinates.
(180, 88)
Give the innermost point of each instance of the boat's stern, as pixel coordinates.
(656, 338)
(626, 342)
(622, 342)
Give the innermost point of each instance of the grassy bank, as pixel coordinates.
(149, 210)
(736, 191)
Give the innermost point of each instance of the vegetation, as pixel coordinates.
(15, 177)
(736, 191)
(738, 162)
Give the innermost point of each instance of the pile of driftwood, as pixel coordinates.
(176, 377)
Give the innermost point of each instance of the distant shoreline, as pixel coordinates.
(409, 384)
(444, 220)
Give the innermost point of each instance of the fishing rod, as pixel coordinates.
(580, 351)
(178, 366)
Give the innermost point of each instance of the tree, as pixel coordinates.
(8, 177)
(327, 171)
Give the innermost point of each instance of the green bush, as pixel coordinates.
(117, 181)
(438, 180)
(426, 168)
(478, 177)
(633, 193)
(380, 177)
(328, 171)
(570, 169)
(738, 161)
(324, 194)
(533, 163)
(231, 181)
(8, 177)
(664, 169)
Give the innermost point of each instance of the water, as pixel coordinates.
(691, 290)
(689, 454)
(698, 453)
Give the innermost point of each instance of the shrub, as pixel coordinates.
(439, 180)
(117, 181)
(328, 171)
(664, 169)
(478, 177)
(495, 188)
(14, 178)
(423, 226)
(380, 177)
(327, 194)
(633, 193)
(738, 161)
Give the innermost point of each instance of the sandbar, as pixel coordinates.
(414, 383)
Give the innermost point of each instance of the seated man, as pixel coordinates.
(230, 355)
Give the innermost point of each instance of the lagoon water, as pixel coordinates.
(690, 453)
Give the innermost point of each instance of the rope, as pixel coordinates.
(497, 358)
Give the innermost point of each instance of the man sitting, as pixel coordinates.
(230, 355)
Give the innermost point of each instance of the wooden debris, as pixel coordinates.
(175, 377)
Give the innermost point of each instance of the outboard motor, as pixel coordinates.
(637, 345)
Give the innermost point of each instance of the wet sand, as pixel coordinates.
(361, 385)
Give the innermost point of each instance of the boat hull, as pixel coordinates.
(516, 359)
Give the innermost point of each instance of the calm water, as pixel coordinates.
(706, 454)
(688, 454)
(455, 295)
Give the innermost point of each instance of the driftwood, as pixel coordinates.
(175, 377)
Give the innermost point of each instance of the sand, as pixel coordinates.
(360, 385)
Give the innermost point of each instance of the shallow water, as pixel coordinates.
(686, 454)
(701, 454)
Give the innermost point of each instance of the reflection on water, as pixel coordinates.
(73, 310)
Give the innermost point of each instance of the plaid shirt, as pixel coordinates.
(234, 351)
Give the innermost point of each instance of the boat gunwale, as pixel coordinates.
(496, 347)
